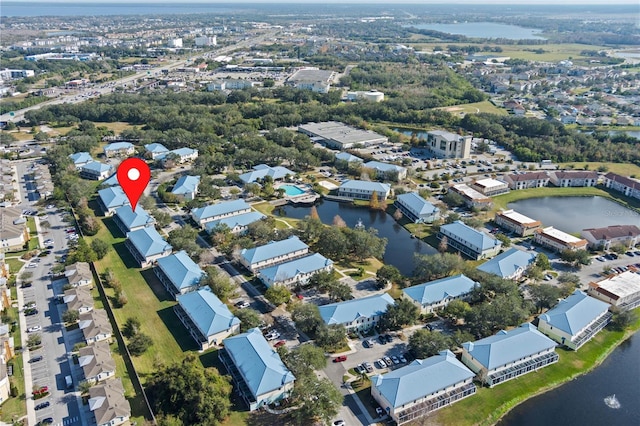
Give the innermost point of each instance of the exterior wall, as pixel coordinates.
(116, 421)
(203, 221)
(441, 147)
(93, 175)
(552, 243)
(168, 284)
(119, 152)
(475, 253)
(628, 242)
(573, 182)
(273, 396)
(520, 229)
(254, 267)
(142, 260)
(103, 375)
(526, 184)
(491, 191)
(621, 187)
(362, 323)
(98, 338)
(413, 216)
(430, 308)
(361, 194)
(299, 278)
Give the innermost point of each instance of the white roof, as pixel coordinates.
(517, 217)
(490, 183)
(559, 235)
(621, 285)
(469, 192)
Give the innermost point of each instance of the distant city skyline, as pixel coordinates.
(461, 2)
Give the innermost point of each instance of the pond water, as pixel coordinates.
(573, 214)
(485, 30)
(400, 245)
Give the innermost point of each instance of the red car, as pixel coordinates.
(340, 358)
(43, 389)
(279, 343)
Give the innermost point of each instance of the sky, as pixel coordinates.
(520, 2)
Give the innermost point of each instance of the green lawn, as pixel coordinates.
(488, 405)
(14, 264)
(501, 201)
(475, 108)
(14, 408)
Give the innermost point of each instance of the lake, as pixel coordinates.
(581, 401)
(400, 245)
(485, 30)
(573, 214)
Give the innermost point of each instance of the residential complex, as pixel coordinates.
(186, 188)
(510, 265)
(209, 213)
(95, 326)
(627, 186)
(96, 362)
(434, 295)
(14, 233)
(517, 223)
(490, 187)
(363, 190)
(119, 149)
(509, 354)
(261, 171)
(357, 314)
(109, 199)
(558, 240)
(386, 171)
(416, 209)
(78, 274)
(294, 272)
(78, 299)
(575, 320)
(472, 198)
(573, 179)
(259, 374)
(108, 403)
(527, 180)
(178, 273)
(273, 253)
(621, 291)
(237, 224)
(469, 241)
(604, 238)
(208, 320)
(422, 387)
(128, 220)
(147, 246)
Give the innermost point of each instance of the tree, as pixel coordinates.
(249, 318)
(193, 394)
(319, 398)
(139, 343)
(443, 245)
(185, 238)
(81, 253)
(424, 343)
(544, 296)
(338, 222)
(162, 218)
(374, 203)
(576, 257)
(100, 248)
(34, 340)
(402, 313)
(331, 337)
(71, 316)
(453, 199)
(431, 267)
(219, 283)
(365, 243)
(278, 294)
(84, 386)
(506, 241)
(388, 274)
(131, 327)
(622, 320)
(313, 214)
(618, 248)
(340, 291)
(333, 243)
(307, 317)
(304, 359)
(456, 310)
(542, 260)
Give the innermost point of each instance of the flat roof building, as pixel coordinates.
(558, 240)
(621, 291)
(472, 198)
(490, 187)
(518, 223)
(341, 136)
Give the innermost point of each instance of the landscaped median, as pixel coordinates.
(487, 406)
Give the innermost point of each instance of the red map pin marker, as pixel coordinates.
(133, 176)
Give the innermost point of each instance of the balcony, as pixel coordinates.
(521, 368)
(436, 403)
(592, 330)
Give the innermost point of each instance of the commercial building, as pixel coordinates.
(527, 180)
(605, 238)
(357, 314)
(621, 291)
(128, 220)
(238, 224)
(108, 403)
(147, 246)
(209, 213)
(363, 190)
(208, 320)
(433, 295)
(517, 223)
(558, 240)
(472, 198)
(417, 209)
(178, 273)
(573, 179)
(294, 272)
(627, 186)
(261, 171)
(273, 253)
(340, 136)
(311, 78)
(422, 387)
(490, 187)
(386, 171)
(509, 354)
(186, 188)
(445, 144)
(468, 241)
(510, 265)
(259, 374)
(575, 320)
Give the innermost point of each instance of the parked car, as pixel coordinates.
(42, 405)
(34, 329)
(30, 312)
(279, 343)
(387, 361)
(402, 359)
(368, 343)
(36, 358)
(388, 338)
(41, 390)
(368, 367)
(340, 358)
(26, 285)
(630, 254)
(395, 360)
(338, 423)
(382, 340)
(47, 421)
(242, 304)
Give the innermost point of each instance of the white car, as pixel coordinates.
(32, 265)
(34, 329)
(272, 336)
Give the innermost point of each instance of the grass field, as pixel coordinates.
(475, 108)
(488, 405)
(14, 408)
(626, 169)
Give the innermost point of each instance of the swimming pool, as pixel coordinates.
(292, 190)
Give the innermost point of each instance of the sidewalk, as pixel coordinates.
(26, 356)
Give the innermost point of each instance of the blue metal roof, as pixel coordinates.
(148, 242)
(96, 166)
(260, 366)
(113, 197)
(416, 203)
(262, 170)
(470, 235)
(508, 263)
(240, 220)
(81, 158)
(183, 152)
(116, 146)
(384, 167)
(181, 270)
(186, 185)
(273, 249)
(218, 209)
(156, 148)
(575, 312)
(132, 219)
(289, 270)
(208, 313)
(435, 291)
(111, 180)
(508, 346)
(366, 185)
(421, 378)
(345, 156)
(351, 310)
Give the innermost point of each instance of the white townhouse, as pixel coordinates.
(108, 403)
(357, 314)
(437, 294)
(273, 253)
(604, 238)
(209, 213)
(509, 354)
(119, 149)
(95, 326)
(629, 187)
(469, 241)
(510, 265)
(422, 387)
(363, 190)
(294, 272)
(186, 188)
(386, 171)
(96, 362)
(575, 320)
(527, 180)
(573, 179)
(95, 170)
(417, 209)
